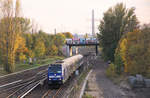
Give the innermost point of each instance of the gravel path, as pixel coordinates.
(108, 88)
(100, 86)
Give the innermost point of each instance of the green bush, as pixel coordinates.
(111, 71)
(118, 63)
(148, 73)
(87, 96)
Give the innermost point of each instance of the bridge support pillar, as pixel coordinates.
(96, 49)
(76, 50)
(70, 51)
(67, 51)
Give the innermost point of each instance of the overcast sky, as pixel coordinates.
(75, 15)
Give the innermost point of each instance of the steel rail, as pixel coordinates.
(46, 94)
(25, 93)
(57, 92)
(11, 95)
(50, 92)
(28, 87)
(22, 83)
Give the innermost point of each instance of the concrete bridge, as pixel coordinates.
(70, 45)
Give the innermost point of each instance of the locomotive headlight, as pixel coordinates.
(50, 79)
(51, 76)
(58, 76)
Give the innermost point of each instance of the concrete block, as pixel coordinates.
(139, 78)
(147, 82)
(132, 81)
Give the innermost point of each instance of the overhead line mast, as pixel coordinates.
(93, 24)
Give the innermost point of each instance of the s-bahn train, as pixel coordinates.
(59, 72)
(81, 41)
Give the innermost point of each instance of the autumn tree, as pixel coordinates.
(10, 31)
(68, 35)
(22, 50)
(25, 24)
(0, 55)
(39, 48)
(59, 40)
(86, 35)
(35, 42)
(53, 50)
(49, 42)
(116, 21)
(134, 49)
(28, 38)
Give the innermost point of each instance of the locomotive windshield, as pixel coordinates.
(55, 69)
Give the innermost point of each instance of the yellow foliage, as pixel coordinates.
(39, 48)
(53, 50)
(111, 72)
(22, 57)
(9, 32)
(21, 45)
(123, 49)
(134, 52)
(68, 35)
(31, 54)
(86, 35)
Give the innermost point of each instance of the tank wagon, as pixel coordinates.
(82, 41)
(60, 71)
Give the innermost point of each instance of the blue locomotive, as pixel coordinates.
(55, 74)
(59, 72)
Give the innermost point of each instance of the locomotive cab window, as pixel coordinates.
(55, 69)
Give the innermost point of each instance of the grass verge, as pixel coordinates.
(40, 62)
(82, 77)
(86, 95)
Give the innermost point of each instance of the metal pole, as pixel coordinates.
(93, 24)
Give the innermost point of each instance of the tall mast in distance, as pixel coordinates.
(93, 24)
(55, 31)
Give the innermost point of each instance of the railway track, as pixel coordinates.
(22, 75)
(62, 92)
(15, 85)
(24, 90)
(21, 88)
(63, 89)
(51, 93)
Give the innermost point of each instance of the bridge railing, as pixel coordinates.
(86, 43)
